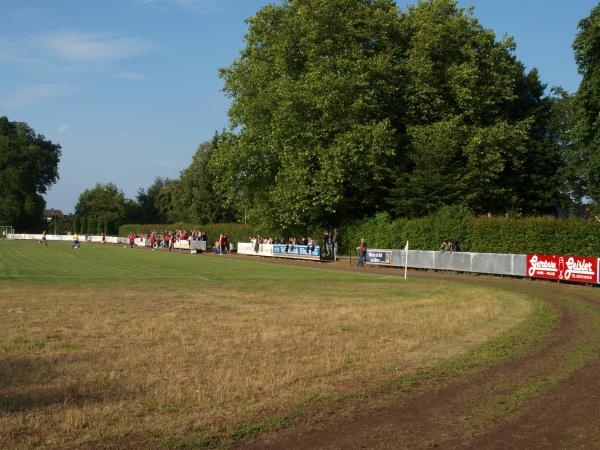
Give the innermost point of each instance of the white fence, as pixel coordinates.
(490, 263)
(59, 237)
(139, 242)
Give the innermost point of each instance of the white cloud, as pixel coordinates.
(131, 76)
(81, 47)
(63, 128)
(199, 6)
(29, 95)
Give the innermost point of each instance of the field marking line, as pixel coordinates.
(219, 277)
(108, 278)
(392, 277)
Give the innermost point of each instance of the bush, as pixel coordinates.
(485, 235)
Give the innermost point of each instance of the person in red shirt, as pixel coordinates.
(222, 243)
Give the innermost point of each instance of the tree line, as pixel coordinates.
(343, 109)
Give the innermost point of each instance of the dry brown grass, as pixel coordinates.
(133, 366)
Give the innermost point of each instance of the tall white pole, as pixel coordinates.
(405, 260)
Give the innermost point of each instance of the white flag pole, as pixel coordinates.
(405, 259)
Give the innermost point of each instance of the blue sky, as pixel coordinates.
(129, 88)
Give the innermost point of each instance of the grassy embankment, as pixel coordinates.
(122, 347)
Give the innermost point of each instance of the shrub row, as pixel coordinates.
(485, 235)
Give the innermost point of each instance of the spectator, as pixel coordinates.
(329, 245)
(362, 253)
(324, 250)
(456, 247)
(289, 248)
(335, 237)
(222, 243)
(311, 245)
(446, 246)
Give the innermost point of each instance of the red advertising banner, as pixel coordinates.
(568, 268)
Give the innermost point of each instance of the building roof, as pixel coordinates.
(50, 213)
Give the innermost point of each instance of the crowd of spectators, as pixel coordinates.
(329, 249)
(167, 239)
(290, 243)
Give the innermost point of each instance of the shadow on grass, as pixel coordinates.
(30, 382)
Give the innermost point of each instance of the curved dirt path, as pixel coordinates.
(548, 398)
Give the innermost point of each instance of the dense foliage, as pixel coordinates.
(342, 108)
(148, 207)
(194, 198)
(486, 235)
(314, 97)
(587, 123)
(102, 209)
(28, 166)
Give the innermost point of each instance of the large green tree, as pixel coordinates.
(587, 121)
(476, 121)
(342, 108)
(315, 101)
(28, 166)
(571, 169)
(104, 203)
(149, 209)
(198, 199)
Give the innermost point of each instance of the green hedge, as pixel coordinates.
(485, 235)
(237, 232)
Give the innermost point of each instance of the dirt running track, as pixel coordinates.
(544, 399)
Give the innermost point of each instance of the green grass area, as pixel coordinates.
(29, 260)
(134, 348)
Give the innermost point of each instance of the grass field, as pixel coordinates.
(111, 347)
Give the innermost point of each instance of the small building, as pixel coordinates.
(50, 214)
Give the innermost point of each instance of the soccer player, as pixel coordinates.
(43, 240)
(75, 241)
